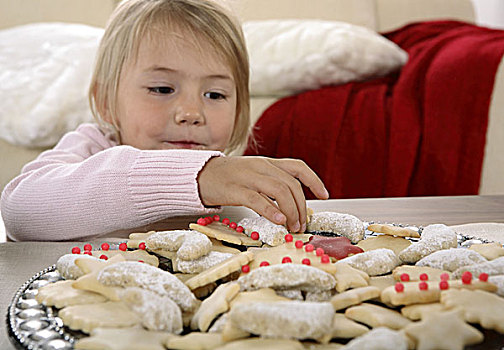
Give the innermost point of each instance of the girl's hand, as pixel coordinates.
(259, 182)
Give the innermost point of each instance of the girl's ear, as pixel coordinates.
(101, 106)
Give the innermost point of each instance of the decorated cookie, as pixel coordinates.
(67, 267)
(396, 244)
(201, 264)
(348, 277)
(128, 255)
(61, 294)
(377, 316)
(451, 259)
(133, 338)
(407, 273)
(394, 230)
(478, 306)
(490, 251)
(491, 268)
(346, 225)
(378, 339)
(287, 276)
(434, 237)
(443, 330)
(268, 232)
(291, 319)
(374, 262)
(354, 296)
(222, 232)
(335, 247)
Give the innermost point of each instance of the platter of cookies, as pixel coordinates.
(219, 284)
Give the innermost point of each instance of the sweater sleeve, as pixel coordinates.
(88, 186)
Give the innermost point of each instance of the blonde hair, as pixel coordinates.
(132, 20)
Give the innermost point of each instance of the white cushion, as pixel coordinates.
(45, 71)
(290, 56)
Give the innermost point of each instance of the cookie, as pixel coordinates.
(262, 343)
(348, 277)
(377, 316)
(394, 230)
(434, 237)
(61, 294)
(382, 282)
(499, 283)
(188, 244)
(129, 255)
(345, 328)
(345, 225)
(478, 306)
(378, 339)
(354, 296)
(269, 232)
(263, 295)
(374, 262)
(413, 273)
(335, 247)
(133, 338)
(201, 264)
(492, 268)
(68, 269)
(290, 320)
(417, 312)
(451, 259)
(432, 331)
(490, 251)
(222, 232)
(195, 341)
(396, 244)
(287, 276)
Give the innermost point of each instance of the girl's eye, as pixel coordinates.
(215, 96)
(162, 90)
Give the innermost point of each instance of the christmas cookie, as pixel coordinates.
(394, 230)
(417, 312)
(222, 232)
(68, 269)
(376, 316)
(201, 264)
(396, 244)
(451, 259)
(344, 327)
(354, 296)
(188, 244)
(61, 294)
(378, 339)
(269, 233)
(374, 262)
(407, 273)
(336, 247)
(345, 225)
(491, 268)
(348, 277)
(490, 251)
(133, 338)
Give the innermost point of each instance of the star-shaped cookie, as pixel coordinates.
(135, 338)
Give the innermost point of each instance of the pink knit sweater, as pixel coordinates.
(88, 186)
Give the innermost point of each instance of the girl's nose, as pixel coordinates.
(189, 112)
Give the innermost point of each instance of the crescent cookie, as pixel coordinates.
(343, 224)
(269, 232)
(434, 237)
(201, 264)
(492, 268)
(188, 244)
(451, 259)
(68, 269)
(374, 262)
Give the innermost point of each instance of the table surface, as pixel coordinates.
(19, 261)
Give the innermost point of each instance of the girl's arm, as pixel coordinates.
(88, 186)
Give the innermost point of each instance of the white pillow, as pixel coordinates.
(290, 56)
(45, 70)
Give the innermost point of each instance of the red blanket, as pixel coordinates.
(419, 132)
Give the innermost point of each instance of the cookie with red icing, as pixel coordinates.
(336, 247)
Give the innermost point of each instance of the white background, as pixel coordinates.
(490, 13)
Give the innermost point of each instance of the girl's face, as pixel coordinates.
(176, 95)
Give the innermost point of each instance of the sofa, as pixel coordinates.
(376, 15)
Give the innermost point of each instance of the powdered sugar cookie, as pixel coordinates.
(269, 233)
(499, 283)
(291, 319)
(110, 314)
(61, 294)
(396, 244)
(394, 230)
(451, 259)
(292, 294)
(484, 308)
(354, 296)
(133, 338)
(188, 244)
(490, 251)
(347, 277)
(492, 268)
(201, 264)
(287, 276)
(413, 273)
(346, 225)
(417, 312)
(432, 331)
(376, 316)
(378, 339)
(434, 237)
(374, 262)
(157, 313)
(325, 295)
(68, 269)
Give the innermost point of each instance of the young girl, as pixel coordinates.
(171, 84)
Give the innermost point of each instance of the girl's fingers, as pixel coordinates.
(263, 206)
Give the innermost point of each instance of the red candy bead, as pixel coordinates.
(444, 276)
(104, 257)
(254, 235)
(286, 260)
(423, 285)
(141, 246)
(140, 261)
(404, 277)
(264, 263)
(443, 285)
(306, 261)
(319, 251)
(233, 225)
(309, 248)
(466, 277)
(324, 259)
(216, 218)
(88, 252)
(245, 268)
(201, 221)
(483, 277)
(299, 244)
(75, 250)
(240, 229)
(123, 246)
(209, 220)
(105, 246)
(288, 238)
(399, 287)
(424, 277)
(225, 221)
(88, 247)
